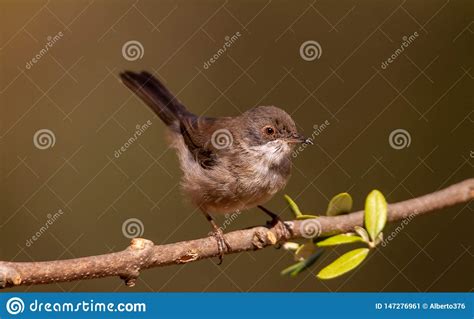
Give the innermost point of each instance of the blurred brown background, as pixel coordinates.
(74, 92)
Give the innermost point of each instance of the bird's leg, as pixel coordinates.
(283, 230)
(218, 234)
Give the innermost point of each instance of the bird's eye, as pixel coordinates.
(268, 130)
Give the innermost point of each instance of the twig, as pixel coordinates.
(143, 254)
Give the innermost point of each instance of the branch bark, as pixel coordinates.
(143, 254)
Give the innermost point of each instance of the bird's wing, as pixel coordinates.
(206, 138)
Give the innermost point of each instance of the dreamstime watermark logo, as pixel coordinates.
(229, 41)
(15, 306)
(140, 129)
(44, 139)
(310, 228)
(399, 139)
(222, 138)
(229, 218)
(52, 218)
(133, 50)
(317, 129)
(310, 50)
(407, 41)
(52, 40)
(399, 228)
(132, 228)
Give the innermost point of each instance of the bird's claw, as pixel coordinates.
(222, 244)
(283, 230)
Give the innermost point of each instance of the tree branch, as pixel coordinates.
(143, 254)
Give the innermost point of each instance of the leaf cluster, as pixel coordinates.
(375, 218)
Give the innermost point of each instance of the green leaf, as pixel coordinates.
(339, 204)
(289, 270)
(379, 239)
(375, 213)
(296, 210)
(362, 233)
(340, 239)
(295, 269)
(293, 206)
(343, 264)
(307, 216)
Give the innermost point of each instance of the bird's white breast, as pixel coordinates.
(267, 160)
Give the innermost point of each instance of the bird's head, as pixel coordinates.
(271, 131)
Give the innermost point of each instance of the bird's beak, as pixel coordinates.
(299, 139)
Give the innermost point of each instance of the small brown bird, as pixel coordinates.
(229, 163)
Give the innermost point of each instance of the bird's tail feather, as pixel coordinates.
(156, 96)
